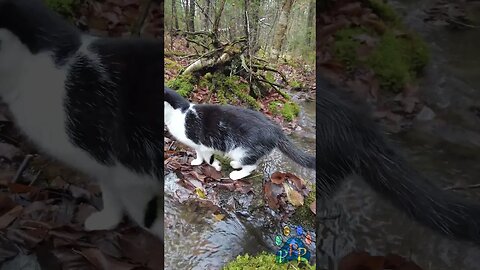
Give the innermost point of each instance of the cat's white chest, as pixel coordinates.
(176, 127)
(37, 103)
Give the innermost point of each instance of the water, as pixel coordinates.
(194, 240)
(446, 149)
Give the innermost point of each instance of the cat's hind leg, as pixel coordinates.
(244, 172)
(198, 160)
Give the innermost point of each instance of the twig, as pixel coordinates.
(456, 187)
(22, 167)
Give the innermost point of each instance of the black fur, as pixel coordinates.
(151, 212)
(225, 127)
(349, 142)
(118, 115)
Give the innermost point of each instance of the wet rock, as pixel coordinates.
(426, 114)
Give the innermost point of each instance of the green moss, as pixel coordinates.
(184, 84)
(229, 89)
(263, 261)
(170, 64)
(384, 11)
(345, 47)
(303, 215)
(397, 60)
(65, 8)
(290, 110)
(274, 107)
(269, 76)
(296, 84)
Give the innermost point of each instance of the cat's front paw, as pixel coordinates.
(102, 221)
(235, 175)
(196, 162)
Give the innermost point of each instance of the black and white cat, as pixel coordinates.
(243, 135)
(93, 103)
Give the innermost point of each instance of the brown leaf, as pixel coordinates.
(6, 204)
(139, 246)
(20, 188)
(293, 196)
(271, 198)
(211, 172)
(10, 216)
(297, 181)
(278, 178)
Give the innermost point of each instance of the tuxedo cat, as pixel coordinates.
(93, 103)
(243, 135)
(351, 143)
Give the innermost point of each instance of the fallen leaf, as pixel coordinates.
(10, 216)
(271, 198)
(209, 171)
(200, 193)
(219, 217)
(278, 178)
(293, 196)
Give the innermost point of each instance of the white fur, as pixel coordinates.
(175, 121)
(33, 87)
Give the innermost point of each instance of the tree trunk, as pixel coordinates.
(174, 14)
(310, 24)
(218, 15)
(191, 17)
(281, 27)
(186, 9)
(206, 24)
(254, 24)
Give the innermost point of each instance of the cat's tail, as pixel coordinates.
(290, 150)
(389, 174)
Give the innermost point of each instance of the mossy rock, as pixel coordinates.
(229, 89)
(183, 84)
(397, 59)
(263, 261)
(290, 110)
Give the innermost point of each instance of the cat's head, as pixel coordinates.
(28, 27)
(174, 101)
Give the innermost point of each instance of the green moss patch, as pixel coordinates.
(263, 261)
(183, 84)
(397, 58)
(303, 215)
(290, 111)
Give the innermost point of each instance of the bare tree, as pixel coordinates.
(282, 27)
(310, 24)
